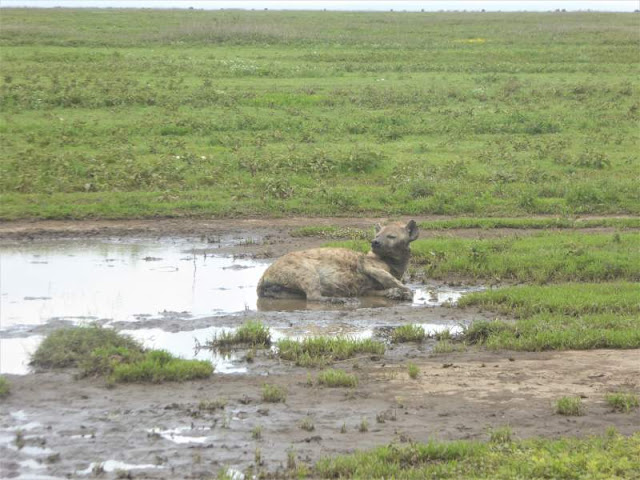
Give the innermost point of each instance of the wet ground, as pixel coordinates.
(174, 291)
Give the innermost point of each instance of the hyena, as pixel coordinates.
(324, 274)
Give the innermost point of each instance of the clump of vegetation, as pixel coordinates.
(333, 232)
(314, 351)
(622, 402)
(98, 351)
(256, 432)
(337, 378)
(5, 388)
(570, 406)
(307, 424)
(273, 393)
(68, 347)
(408, 333)
(501, 434)
(447, 346)
(212, 405)
(413, 370)
(364, 426)
(252, 333)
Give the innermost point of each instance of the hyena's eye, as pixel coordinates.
(391, 237)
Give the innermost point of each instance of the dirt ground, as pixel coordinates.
(69, 428)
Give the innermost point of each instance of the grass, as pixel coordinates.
(408, 333)
(252, 333)
(5, 387)
(67, 347)
(576, 316)
(307, 424)
(337, 378)
(597, 457)
(231, 113)
(569, 406)
(315, 351)
(413, 370)
(501, 435)
(528, 223)
(540, 258)
(98, 351)
(273, 393)
(622, 402)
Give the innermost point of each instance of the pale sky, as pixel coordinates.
(353, 5)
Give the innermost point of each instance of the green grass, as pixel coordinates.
(315, 351)
(273, 393)
(408, 333)
(337, 378)
(103, 352)
(132, 113)
(413, 370)
(600, 457)
(5, 387)
(68, 347)
(529, 223)
(252, 333)
(622, 402)
(540, 258)
(569, 406)
(576, 316)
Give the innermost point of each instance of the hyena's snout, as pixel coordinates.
(376, 243)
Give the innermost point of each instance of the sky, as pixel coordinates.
(357, 5)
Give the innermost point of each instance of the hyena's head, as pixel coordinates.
(392, 241)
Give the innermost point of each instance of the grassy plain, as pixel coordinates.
(114, 114)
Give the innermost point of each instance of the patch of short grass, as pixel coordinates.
(622, 402)
(98, 351)
(273, 393)
(546, 257)
(447, 346)
(569, 406)
(413, 370)
(528, 223)
(408, 333)
(576, 316)
(502, 434)
(337, 378)
(67, 347)
(314, 351)
(5, 388)
(598, 457)
(252, 333)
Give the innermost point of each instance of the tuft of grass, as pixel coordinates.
(252, 333)
(622, 402)
(273, 393)
(332, 232)
(574, 316)
(408, 333)
(256, 433)
(570, 406)
(307, 424)
(607, 456)
(314, 351)
(337, 378)
(413, 370)
(68, 347)
(364, 426)
(5, 388)
(212, 405)
(501, 435)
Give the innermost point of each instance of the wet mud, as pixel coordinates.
(174, 292)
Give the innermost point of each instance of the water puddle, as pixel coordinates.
(177, 435)
(113, 465)
(149, 289)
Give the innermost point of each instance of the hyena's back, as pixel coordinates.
(318, 272)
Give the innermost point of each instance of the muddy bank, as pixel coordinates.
(161, 431)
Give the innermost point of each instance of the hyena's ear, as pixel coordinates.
(377, 228)
(412, 228)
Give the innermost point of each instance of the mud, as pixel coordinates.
(54, 426)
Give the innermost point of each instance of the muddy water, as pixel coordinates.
(168, 294)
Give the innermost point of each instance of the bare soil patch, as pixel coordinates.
(461, 396)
